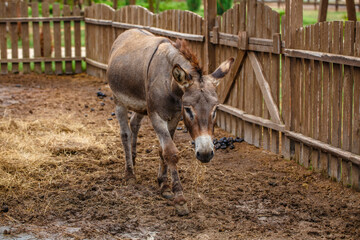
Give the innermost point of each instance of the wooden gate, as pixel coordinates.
(250, 94)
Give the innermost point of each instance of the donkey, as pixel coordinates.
(157, 77)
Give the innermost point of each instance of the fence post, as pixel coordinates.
(350, 8)
(323, 10)
(210, 16)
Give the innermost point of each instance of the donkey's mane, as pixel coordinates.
(184, 49)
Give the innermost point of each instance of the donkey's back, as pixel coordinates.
(129, 60)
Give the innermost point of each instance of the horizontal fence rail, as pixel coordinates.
(158, 31)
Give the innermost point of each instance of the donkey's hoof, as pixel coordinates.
(168, 194)
(182, 209)
(130, 179)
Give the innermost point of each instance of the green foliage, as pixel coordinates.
(223, 5)
(193, 5)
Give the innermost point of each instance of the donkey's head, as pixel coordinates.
(200, 102)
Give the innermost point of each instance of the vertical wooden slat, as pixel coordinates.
(241, 78)
(67, 39)
(356, 119)
(249, 79)
(266, 62)
(306, 128)
(311, 94)
(348, 87)
(295, 95)
(304, 149)
(259, 8)
(316, 94)
(355, 177)
(36, 36)
(91, 33)
(222, 57)
(105, 37)
(87, 36)
(47, 37)
(200, 45)
(325, 127)
(12, 12)
(348, 84)
(285, 89)
(334, 164)
(24, 36)
(229, 26)
(275, 79)
(77, 33)
(234, 95)
(3, 40)
(318, 76)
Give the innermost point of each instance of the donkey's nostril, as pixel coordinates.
(212, 153)
(197, 154)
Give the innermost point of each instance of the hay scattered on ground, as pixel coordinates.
(35, 155)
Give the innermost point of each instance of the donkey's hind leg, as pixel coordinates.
(126, 135)
(135, 123)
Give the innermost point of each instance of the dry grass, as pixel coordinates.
(36, 154)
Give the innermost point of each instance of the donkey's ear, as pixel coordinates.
(221, 71)
(181, 76)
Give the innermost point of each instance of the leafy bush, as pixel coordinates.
(223, 5)
(193, 5)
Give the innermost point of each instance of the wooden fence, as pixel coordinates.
(44, 40)
(323, 88)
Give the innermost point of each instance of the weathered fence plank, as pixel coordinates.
(25, 36)
(356, 125)
(325, 110)
(36, 36)
(46, 38)
(57, 38)
(3, 47)
(13, 35)
(77, 38)
(67, 40)
(337, 82)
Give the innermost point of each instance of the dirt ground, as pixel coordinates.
(61, 177)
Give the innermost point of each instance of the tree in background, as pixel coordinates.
(193, 5)
(223, 5)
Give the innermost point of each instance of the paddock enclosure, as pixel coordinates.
(293, 92)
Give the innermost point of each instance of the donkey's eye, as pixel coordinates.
(214, 114)
(189, 113)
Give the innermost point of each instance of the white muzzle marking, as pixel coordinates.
(203, 144)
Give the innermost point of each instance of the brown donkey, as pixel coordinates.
(155, 76)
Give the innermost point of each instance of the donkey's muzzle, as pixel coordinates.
(205, 157)
(204, 148)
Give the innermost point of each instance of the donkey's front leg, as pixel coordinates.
(170, 157)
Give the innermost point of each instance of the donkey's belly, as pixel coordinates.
(131, 102)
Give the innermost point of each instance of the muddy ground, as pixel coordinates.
(61, 177)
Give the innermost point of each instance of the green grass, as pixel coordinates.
(310, 16)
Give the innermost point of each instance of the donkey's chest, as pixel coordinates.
(167, 106)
